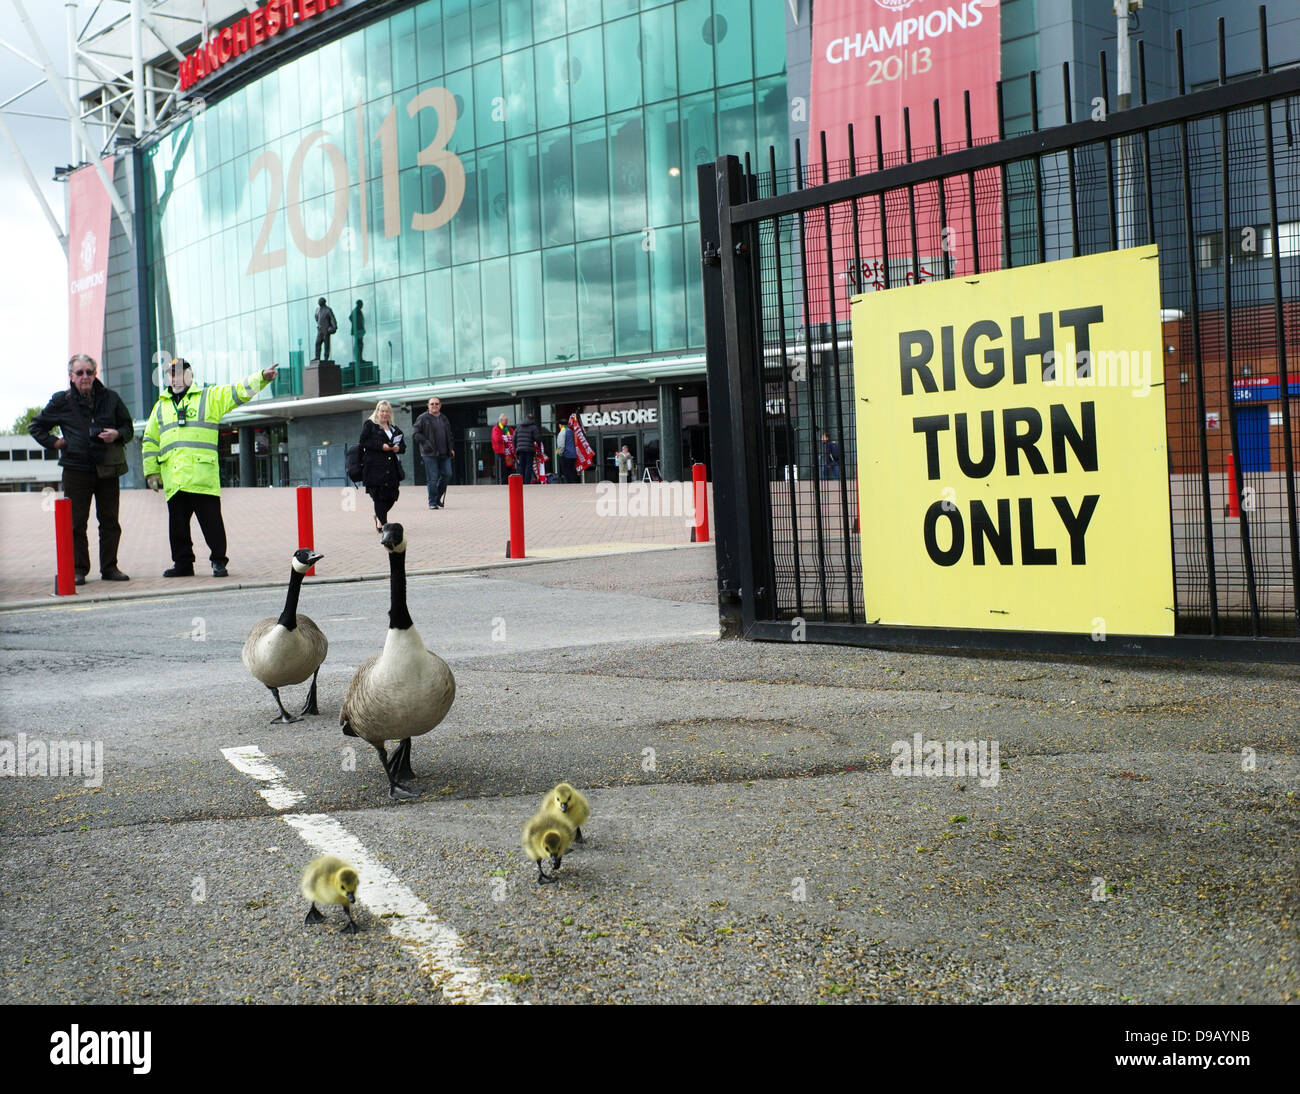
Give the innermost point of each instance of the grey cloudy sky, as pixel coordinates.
(33, 273)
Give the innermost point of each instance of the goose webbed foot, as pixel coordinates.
(395, 789)
(313, 915)
(352, 927)
(285, 717)
(577, 836)
(311, 707)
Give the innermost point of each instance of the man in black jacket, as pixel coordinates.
(527, 438)
(95, 427)
(438, 449)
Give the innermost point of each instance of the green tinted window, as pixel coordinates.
(498, 348)
(486, 20)
(456, 39)
(591, 180)
(668, 278)
(518, 83)
(561, 305)
(428, 37)
(468, 318)
(522, 195)
(526, 294)
(552, 65)
(694, 51)
(663, 164)
(622, 44)
(557, 187)
(729, 34)
(659, 54)
(631, 295)
(586, 74)
(595, 300)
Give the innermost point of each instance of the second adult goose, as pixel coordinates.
(406, 690)
(284, 651)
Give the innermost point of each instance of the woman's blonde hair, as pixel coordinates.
(374, 414)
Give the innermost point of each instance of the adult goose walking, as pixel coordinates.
(284, 651)
(406, 690)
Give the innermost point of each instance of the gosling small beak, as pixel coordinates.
(555, 862)
(564, 807)
(352, 898)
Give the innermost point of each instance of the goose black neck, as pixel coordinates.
(289, 617)
(398, 617)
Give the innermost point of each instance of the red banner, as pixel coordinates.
(585, 453)
(89, 212)
(876, 57)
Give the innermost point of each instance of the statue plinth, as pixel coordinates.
(321, 378)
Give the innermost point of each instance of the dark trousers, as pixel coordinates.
(384, 498)
(207, 507)
(79, 487)
(568, 468)
(322, 339)
(524, 464)
(502, 476)
(437, 470)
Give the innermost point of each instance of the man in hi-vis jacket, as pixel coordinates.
(181, 458)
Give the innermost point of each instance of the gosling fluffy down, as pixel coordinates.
(547, 835)
(565, 799)
(329, 880)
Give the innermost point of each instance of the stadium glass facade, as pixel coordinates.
(506, 187)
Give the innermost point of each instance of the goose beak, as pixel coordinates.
(352, 898)
(392, 535)
(564, 807)
(314, 559)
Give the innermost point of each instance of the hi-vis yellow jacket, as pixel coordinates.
(182, 448)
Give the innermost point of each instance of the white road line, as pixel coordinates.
(250, 760)
(439, 951)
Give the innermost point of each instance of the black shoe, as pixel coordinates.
(79, 577)
(218, 570)
(179, 571)
(114, 574)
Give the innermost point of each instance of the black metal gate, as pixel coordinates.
(1201, 175)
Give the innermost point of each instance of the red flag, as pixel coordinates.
(510, 447)
(539, 465)
(586, 455)
(89, 222)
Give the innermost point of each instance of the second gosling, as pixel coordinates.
(572, 804)
(547, 835)
(330, 880)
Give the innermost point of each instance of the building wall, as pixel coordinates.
(575, 131)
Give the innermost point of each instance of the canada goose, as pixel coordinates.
(330, 880)
(572, 804)
(406, 690)
(547, 835)
(287, 650)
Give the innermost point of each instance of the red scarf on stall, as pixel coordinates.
(586, 455)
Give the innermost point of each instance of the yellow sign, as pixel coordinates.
(1011, 450)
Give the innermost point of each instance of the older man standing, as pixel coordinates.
(95, 426)
(438, 448)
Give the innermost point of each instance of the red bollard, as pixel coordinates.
(306, 527)
(699, 475)
(1234, 500)
(515, 548)
(65, 584)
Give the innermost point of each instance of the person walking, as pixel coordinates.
(500, 446)
(437, 448)
(326, 325)
(566, 451)
(626, 464)
(527, 439)
(830, 458)
(95, 427)
(180, 458)
(382, 444)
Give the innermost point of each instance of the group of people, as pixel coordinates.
(180, 450)
(180, 459)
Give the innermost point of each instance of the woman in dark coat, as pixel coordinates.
(381, 443)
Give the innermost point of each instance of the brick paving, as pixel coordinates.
(262, 529)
